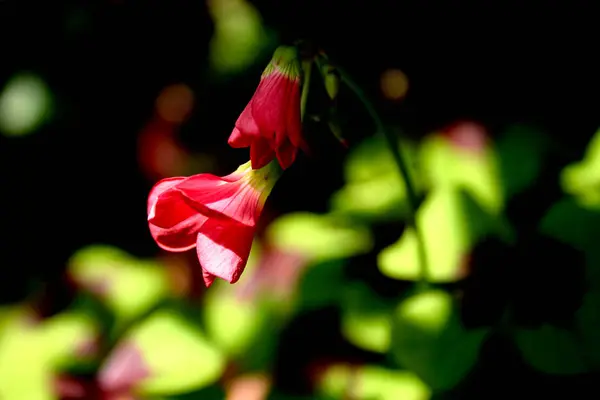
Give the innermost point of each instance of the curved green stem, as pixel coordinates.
(307, 69)
(402, 167)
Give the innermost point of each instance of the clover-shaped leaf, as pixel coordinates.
(129, 286)
(372, 382)
(319, 237)
(451, 222)
(550, 349)
(429, 339)
(163, 355)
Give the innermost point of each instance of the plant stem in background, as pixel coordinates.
(307, 69)
(402, 167)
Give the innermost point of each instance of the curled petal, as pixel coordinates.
(173, 222)
(223, 248)
(261, 153)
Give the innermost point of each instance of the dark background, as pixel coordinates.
(77, 181)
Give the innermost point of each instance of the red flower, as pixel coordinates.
(271, 123)
(216, 215)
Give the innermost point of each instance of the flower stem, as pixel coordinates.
(307, 68)
(402, 167)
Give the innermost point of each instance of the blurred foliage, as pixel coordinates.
(330, 299)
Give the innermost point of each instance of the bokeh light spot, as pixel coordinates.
(175, 103)
(24, 104)
(394, 84)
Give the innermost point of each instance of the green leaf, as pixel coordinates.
(238, 37)
(374, 188)
(428, 338)
(366, 318)
(231, 323)
(319, 237)
(581, 179)
(127, 285)
(372, 382)
(448, 166)
(521, 151)
(579, 227)
(550, 349)
(451, 223)
(66, 336)
(321, 285)
(25, 370)
(176, 354)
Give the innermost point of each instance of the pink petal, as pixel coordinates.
(286, 154)
(261, 153)
(239, 139)
(172, 221)
(237, 201)
(223, 249)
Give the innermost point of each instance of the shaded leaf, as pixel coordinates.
(550, 349)
(428, 338)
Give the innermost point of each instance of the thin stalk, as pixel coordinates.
(402, 168)
(307, 69)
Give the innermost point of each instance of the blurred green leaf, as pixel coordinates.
(521, 151)
(239, 37)
(451, 222)
(581, 179)
(428, 338)
(321, 285)
(25, 103)
(372, 382)
(374, 188)
(366, 318)
(127, 285)
(178, 356)
(550, 349)
(66, 337)
(319, 237)
(579, 227)
(447, 166)
(25, 370)
(231, 323)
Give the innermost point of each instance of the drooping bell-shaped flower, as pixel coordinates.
(217, 215)
(271, 122)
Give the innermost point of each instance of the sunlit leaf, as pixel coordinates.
(68, 336)
(239, 36)
(175, 354)
(551, 350)
(521, 151)
(129, 286)
(231, 323)
(451, 223)
(428, 338)
(448, 166)
(319, 237)
(581, 179)
(366, 318)
(372, 159)
(382, 197)
(25, 103)
(374, 188)
(372, 382)
(25, 370)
